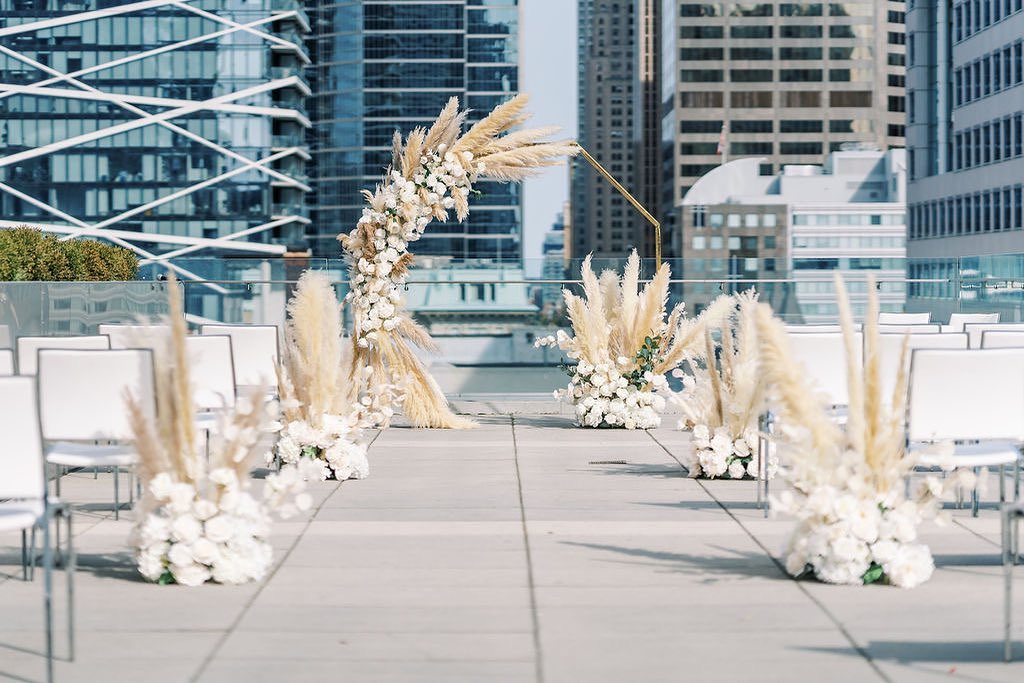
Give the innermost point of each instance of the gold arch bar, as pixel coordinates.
(630, 198)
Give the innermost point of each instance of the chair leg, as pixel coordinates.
(56, 481)
(131, 488)
(974, 494)
(47, 595)
(1002, 483)
(69, 570)
(1007, 584)
(117, 493)
(32, 554)
(24, 555)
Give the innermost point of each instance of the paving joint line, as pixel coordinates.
(266, 581)
(535, 618)
(803, 589)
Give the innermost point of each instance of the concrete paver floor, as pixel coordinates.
(524, 550)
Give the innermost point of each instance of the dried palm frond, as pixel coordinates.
(313, 360)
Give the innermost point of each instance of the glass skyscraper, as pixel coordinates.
(391, 65)
(175, 128)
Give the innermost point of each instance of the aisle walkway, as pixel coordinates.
(522, 551)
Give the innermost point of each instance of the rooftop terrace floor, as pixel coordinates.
(511, 553)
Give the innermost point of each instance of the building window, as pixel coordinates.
(745, 99)
(811, 126)
(700, 126)
(850, 98)
(800, 148)
(751, 75)
(800, 53)
(752, 126)
(800, 31)
(801, 98)
(701, 54)
(698, 243)
(733, 222)
(752, 31)
(750, 148)
(701, 100)
(700, 76)
(751, 220)
(800, 75)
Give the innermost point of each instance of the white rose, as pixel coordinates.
(737, 470)
(203, 509)
(191, 575)
(160, 486)
(181, 497)
(180, 555)
(219, 529)
(185, 528)
(205, 551)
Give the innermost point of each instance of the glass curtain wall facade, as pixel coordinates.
(174, 129)
(388, 65)
(787, 81)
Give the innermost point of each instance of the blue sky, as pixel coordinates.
(549, 77)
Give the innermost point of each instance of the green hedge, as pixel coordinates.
(27, 254)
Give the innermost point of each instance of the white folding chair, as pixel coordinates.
(135, 336)
(28, 348)
(82, 401)
(213, 377)
(25, 506)
(254, 350)
(920, 328)
(6, 362)
(975, 330)
(958, 320)
(904, 318)
(818, 328)
(823, 356)
(974, 398)
(890, 346)
(1002, 339)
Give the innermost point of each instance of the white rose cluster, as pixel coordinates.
(610, 393)
(190, 534)
(849, 532)
(399, 212)
(723, 454)
(333, 448)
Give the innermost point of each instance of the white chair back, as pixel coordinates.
(921, 328)
(890, 346)
(5, 336)
(799, 329)
(823, 356)
(254, 349)
(6, 362)
(966, 394)
(958, 320)
(28, 348)
(21, 458)
(975, 330)
(904, 318)
(1002, 339)
(211, 371)
(136, 336)
(82, 392)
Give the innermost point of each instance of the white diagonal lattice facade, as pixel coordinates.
(172, 127)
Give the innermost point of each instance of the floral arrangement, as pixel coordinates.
(431, 173)
(855, 524)
(198, 519)
(721, 402)
(325, 415)
(623, 345)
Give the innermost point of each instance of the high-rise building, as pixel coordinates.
(965, 133)
(386, 65)
(799, 227)
(787, 81)
(615, 88)
(173, 128)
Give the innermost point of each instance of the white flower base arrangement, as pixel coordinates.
(604, 397)
(721, 401)
(198, 520)
(855, 524)
(721, 455)
(325, 410)
(331, 448)
(624, 344)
